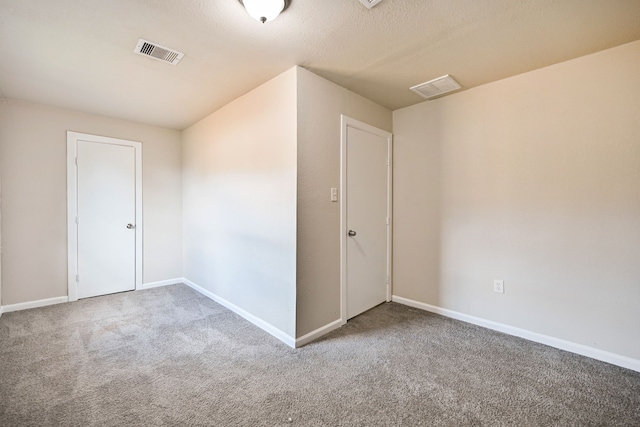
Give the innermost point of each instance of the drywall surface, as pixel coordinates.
(33, 163)
(239, 180)
(0, 239)
(320, 104)
(534, 180)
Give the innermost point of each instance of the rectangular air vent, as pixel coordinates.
(158, 52)
(370, 3)
(436, 87)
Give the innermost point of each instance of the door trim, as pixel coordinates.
(72, 204)
(345, 123)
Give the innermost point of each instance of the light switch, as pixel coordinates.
(334, 194)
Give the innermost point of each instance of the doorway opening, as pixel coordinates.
(104, 215)
(366, 217)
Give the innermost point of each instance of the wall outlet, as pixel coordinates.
(498, 286)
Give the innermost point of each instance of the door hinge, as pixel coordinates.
(77, 277)
(76, 161)
(78, 220)
(387, 220)
(387, 282)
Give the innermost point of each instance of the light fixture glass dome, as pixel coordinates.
(264, 10)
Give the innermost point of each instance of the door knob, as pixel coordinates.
(351, 233)
(130, 226)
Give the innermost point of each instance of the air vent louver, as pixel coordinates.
(436, 87)
(155, 51)
(370, 3)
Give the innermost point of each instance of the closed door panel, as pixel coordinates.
(106, 219)
(366, 175)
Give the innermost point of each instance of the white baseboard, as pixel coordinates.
(265, 326)
(168, 282)
(34, 304)
(583, 350)
(306, 339)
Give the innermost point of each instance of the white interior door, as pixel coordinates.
(106, 217)
(366, 216)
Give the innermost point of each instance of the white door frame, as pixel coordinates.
(72, 204)
(345, 123)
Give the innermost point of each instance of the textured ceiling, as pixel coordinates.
(78, 54)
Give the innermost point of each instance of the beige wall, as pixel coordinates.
(33, 167)
(320, 104)
(239, 169)
(534, 180)
(0, 239)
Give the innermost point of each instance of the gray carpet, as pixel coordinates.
(170, 356)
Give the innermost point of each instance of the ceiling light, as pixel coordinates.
(265, 10)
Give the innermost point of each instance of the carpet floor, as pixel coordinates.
(170, 356)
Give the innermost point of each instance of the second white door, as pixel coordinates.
(106, 218)
(366, 217)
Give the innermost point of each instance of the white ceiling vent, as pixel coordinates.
(370, 3)
(436, 87)
(158, 52)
